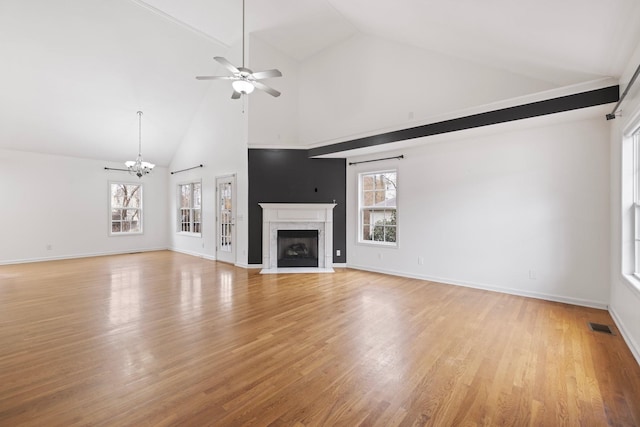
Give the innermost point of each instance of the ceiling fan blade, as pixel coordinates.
(267, 74)
(266, 88)
(228, 65)
(214, 77)
(235, 95)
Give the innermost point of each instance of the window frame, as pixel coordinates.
(635, 135)
(361, 208)
(630, 204)
(179, 208)
(140, 209)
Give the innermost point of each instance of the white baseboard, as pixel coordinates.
(76, 256)
(486, 287)
(249, 266)
(195, 254)
(339, 265)
(631, 343)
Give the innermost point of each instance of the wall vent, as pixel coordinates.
(597, 327)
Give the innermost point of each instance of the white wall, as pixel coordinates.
(485, 211)
(63, 202)
(625, 294)
(273, 122)
(217, 139)
(367, 84)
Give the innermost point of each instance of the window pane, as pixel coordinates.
(390, 233)
(134, 196)
(378, 233)
(366, 217)
(389, 217)
(367, 182)
(185, 196)
(366, 232)
(379, 198)
(115, 227)
(197, 202)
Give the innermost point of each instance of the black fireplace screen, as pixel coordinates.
(297, 248)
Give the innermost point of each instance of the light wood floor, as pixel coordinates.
(168, 339)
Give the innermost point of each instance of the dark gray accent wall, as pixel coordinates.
(290, 176)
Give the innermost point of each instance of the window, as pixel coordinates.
(190, 208)
(125, 205)
(378, 208)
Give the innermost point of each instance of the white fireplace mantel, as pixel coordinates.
(297, 216)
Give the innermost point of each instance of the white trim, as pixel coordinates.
(78, 256)
(248, 266)
(633, 282)
(297, 216)
(195, 254)
(547, 297)
(188, 234)
(633, 346)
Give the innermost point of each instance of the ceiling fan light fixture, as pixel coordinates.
(242, 86)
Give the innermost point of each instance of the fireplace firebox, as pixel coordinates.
(297, 248)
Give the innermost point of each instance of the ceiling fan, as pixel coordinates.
(243, 80)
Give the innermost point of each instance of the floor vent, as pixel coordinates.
(597, 327)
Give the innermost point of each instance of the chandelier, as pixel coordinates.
(139, 167)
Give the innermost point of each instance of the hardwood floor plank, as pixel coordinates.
(163, 338)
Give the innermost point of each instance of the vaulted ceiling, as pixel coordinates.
(74, 72)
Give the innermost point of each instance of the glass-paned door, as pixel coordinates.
(225, 219)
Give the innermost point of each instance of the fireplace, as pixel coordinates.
(297, 248)
(304, 220)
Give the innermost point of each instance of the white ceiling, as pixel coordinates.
(74, 72)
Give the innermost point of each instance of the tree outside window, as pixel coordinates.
(378, 208)
(126, 208)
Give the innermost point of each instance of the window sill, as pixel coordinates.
(378, 244)
(125, 234)
(184, 233)
(633, 281)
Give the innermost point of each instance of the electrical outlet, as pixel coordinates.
(379, 255)
(532, 275)
(49, 247)
(338, 252)
(420, 260)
